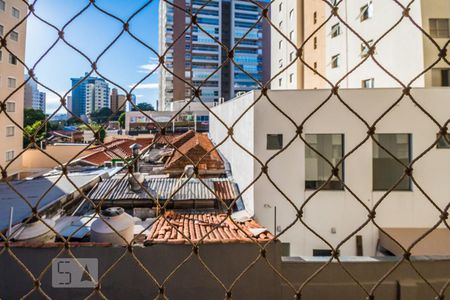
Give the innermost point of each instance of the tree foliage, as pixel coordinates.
(144, 106)
(33, 130)
(102, 115)
(122, 120)
(31, 116)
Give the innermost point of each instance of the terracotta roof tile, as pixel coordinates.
(193, 151)
(211, 227)
(115, 150)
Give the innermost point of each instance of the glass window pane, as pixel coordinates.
(318, 170)
(274, 141)
(386, 170)
(443, 143)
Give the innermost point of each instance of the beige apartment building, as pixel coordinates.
(333, 50)
(11, 77)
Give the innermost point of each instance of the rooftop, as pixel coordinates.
(208, 228)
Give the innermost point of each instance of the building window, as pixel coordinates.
(443, 143)
(9, 155)
(274, 141)
(368, 83)
(318, 170)
(387, 170)
(291, 77)
(280, 63)
(315, 42)
(291, 35)
(335, 61)
(12, 59)
(280, 24)
(15, 13)
(366, 12)
(9, 130)
(12, 83)
(10, 106)
(291, 14)
(2, 5)
(315, 17)
(315, 67)
(2, 30)
(335, 30)
(280, 7)
(439, 28)
(291, 56)
(440, 77)
(280, 82)
(364, 49)
(14, 36)
(280, 44)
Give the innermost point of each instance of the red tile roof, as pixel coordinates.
(196, 226)
(118, 149)
(193, 150)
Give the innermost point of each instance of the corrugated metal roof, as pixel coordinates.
(164, 188)
(33, 190)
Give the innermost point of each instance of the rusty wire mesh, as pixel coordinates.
(441, 129)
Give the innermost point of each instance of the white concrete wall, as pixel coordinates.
(339, 209)
(242, 163)
(401, 51)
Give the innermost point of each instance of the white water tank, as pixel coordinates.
(117, 218)
(35, 231)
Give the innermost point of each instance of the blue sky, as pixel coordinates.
(126, 63)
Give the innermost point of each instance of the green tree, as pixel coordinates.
(31, 116)
(102, 115)
(122, 120)
(33, 130)
(144, 106)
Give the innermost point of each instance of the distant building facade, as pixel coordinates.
(117, 101)
(89, 95)
(34, 98)
(11, 77)
(196, 57)
(333, 50)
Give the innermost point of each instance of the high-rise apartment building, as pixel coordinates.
(333, 50)
(197, 56)
(117, 101)
(33, 97)
(11, 77)
(90, 94)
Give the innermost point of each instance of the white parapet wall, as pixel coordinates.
(334, 214)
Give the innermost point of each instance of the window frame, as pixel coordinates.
(3, 5)
(15, 82)
(13, 155)
(371, 80)
(335, 61)
(13, 103)
(335, 30)
(436, 32)
(329, 186)
(13, 10)
(442, 143)
(274, 135)
(13, 131)
(397, 189)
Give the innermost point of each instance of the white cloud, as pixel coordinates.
(145, 86)
(147, 68)
(140, 96)
(53, 102)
